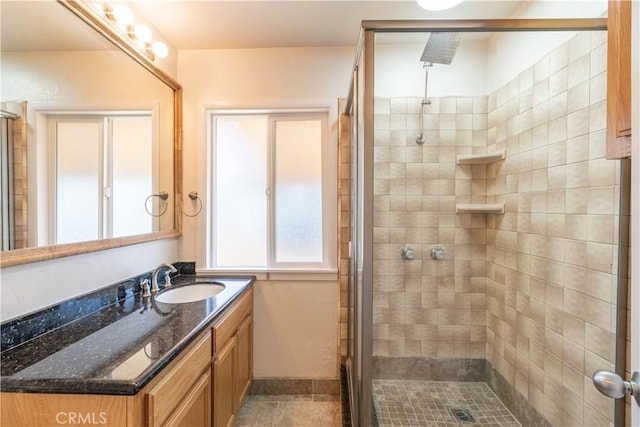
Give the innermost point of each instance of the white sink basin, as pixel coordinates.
(189, 293)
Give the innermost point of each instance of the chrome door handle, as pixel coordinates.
(612, 385)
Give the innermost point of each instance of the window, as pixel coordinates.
(271, 188)
(93, 160)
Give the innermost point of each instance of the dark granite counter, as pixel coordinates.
(111, 342)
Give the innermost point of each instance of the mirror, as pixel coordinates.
(89, 155)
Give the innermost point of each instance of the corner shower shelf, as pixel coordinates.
(496, 208)
(480, 159)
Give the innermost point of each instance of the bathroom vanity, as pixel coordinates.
(132, 362)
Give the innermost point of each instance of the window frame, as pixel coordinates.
(105, 121)
(328, 191)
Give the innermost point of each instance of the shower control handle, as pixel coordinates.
(437, 253)
(408, 253)
(611, 384)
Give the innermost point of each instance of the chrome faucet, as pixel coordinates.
(156, 272)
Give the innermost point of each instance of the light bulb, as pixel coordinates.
(438, 4)
(142, 34)
(122, 15)
(160, 49)
(100, 5)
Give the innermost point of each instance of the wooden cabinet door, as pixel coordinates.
(195, 408)
(176, 384)
(619, 79)
(223, 385)
(244, 360)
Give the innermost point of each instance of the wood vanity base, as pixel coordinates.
(203, 386)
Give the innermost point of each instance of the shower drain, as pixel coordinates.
(462, 415)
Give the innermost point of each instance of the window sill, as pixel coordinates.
(276, 275)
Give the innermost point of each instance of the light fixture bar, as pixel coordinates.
(122, 18)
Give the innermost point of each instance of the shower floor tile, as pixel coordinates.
(433, 403)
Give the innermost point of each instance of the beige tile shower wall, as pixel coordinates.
(424, 307)
(551, 256)
(20, 182)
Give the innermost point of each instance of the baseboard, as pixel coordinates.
(283, 386)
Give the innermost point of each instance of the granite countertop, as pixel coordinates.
(116, 348)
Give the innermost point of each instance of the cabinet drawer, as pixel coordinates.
(175, 385)
(226, 327)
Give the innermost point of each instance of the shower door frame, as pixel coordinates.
(7, 208)
(365, 60)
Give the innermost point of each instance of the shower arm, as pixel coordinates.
(420, 136)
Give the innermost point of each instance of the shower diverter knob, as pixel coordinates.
(437, 253)
(408, 253)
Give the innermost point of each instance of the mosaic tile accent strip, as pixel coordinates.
(432, 403)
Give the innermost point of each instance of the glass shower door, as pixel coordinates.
(360, 323)
(354, 337)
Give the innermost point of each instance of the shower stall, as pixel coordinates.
(483, 225)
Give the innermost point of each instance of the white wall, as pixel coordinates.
(399, 72)
(30, 287)
(480, 66)
(295, 330)
(296, 327)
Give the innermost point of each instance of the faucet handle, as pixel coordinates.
(167, 279)
(144, 284)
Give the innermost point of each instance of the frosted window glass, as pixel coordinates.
(78, 147)
(298, 191)
(241, 182)
(132, 176)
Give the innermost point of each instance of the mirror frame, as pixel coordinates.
(43, 253)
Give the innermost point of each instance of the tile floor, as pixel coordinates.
(317, 410)
(432, 403)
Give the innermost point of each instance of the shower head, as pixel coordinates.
(440, 48)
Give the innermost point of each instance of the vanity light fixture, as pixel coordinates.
(142, 34)
(122, 17)
(160, 49)
(438, 4)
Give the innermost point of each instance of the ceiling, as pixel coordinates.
(229, 24)
(236, 24)
(44, 26)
